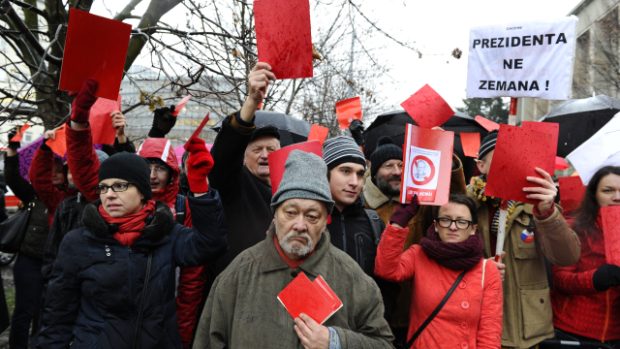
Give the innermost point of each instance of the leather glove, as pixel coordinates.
(12, 133)
(83, 101)
(357, 129)
(199, 164)
(403, 214)
(163, 122)
(606, 276)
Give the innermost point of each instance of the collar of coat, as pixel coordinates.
(312, 265)
(373, 196)
(155, 233)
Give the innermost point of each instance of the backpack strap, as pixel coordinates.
(179, 207)
(376, 224)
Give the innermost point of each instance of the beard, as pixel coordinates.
(386, 188)
(294, 247)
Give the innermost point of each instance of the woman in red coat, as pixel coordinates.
(472, 316)
(586, 296)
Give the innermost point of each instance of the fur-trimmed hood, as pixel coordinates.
(155, 233)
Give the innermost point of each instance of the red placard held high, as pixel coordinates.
(427, 108)
(348, 110)
(101, 122)
(95, 48)
(318, 133)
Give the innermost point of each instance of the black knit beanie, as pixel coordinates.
(130, 167)
(386, 150)
(487, 144)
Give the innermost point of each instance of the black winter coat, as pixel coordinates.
(94, 296)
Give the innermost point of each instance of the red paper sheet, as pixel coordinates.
(179, 107)
(59, 143)
(486, 123)
(348, 110)
(427, 165)
(610, 217)
(471, 143)
(315, 299)
(277, 160)
(95, 48)
(427, 108)
(318, 133)
(551, 129)
(283, 37)
(101, 122)
(517, 152)
(572, 191)
(20, 134)
(198, 129)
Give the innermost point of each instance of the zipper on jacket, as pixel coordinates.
(344, 233)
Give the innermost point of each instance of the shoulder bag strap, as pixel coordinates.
(436, 311)
(145, 295)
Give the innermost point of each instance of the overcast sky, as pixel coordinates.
(435, 28)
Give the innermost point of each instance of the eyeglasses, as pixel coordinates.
(446, 222)
(116, 187)
(158, 168)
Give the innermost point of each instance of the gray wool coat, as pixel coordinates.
(242, 310)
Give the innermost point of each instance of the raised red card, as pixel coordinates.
(427, 165)
(95, 48)
(517, 152)
(179, 107)
(486, 123)
(101, 122)
(572, 191)
(551, 129)
(198, 129)
(348, 110)
(610, 218)
(470, 141)
(315, 299)
(20, 134)
(59, 143)
(277, 160)
(283, 37)
(318, 133)
(427, 108)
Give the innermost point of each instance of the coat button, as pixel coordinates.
(465, 304)
(463, 284)
(108, 254)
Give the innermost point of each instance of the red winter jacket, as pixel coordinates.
(471, 318)
(578, 308)
(84, 166)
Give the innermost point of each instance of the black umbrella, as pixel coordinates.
(392, 124)
(579, 119)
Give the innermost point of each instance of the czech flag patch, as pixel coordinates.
(527, 236)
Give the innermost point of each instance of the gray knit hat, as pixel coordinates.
(304, 178)
(341, 149)
(487, 144)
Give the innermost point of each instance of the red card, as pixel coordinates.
(427, 165)
(348, 110)
(101, 122)
(318, 133)
(59, 143)
(283, 37)
(486, 123)
(198, 129)
(471, 143)
(427, 108)
(315, 299)
(95, 48)
(572, 191)
(277, 160)
(550, 129)
(610, 217)
(517, 152)
(179, 107)
(20, 134)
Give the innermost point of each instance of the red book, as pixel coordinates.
(315, 299)
(610, 219)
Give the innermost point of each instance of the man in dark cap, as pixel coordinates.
(241, 171)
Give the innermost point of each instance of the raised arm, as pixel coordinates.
(20, 187)
(41, 172)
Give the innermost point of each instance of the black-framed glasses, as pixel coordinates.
(446, 222)
(116, 187)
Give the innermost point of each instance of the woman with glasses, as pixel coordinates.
(113, 283)
(447, 264)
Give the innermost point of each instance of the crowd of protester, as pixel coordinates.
(127, 249)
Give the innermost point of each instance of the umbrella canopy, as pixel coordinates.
(292, 130)
(392, 125)
(579, 119)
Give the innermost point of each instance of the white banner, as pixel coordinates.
(522, 60)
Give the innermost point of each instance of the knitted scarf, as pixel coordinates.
(130, 226)
(456, 256)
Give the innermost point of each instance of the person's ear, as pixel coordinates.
(474, 229)
(435, 225)
(480, 165)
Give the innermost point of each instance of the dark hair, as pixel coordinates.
(463, 200)
(586, 214)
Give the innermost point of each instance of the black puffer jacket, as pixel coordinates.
(96, 289)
